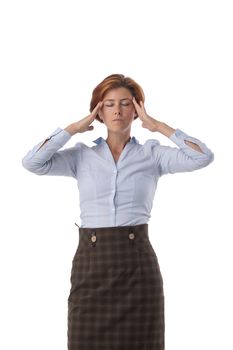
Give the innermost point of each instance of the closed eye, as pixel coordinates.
(122, 104)
(108, 105)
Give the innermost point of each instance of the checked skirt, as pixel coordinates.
(116, 299)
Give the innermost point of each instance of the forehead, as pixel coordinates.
(118, 93)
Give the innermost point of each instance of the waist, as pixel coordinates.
(114, 233)
(100, 221)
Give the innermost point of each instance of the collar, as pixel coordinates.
(100, 140)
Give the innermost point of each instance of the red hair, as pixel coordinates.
(115, 81)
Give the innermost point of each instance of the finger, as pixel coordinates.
(95, 110)
(143, 106)
(99, 104)
(136, 105)
(135, 102)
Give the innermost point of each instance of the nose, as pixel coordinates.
(117, 110)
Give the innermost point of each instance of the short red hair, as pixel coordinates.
(115, 81)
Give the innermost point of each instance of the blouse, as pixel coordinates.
(115, 193)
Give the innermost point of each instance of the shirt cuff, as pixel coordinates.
(58, 136)
(179, 136)
(62, 136)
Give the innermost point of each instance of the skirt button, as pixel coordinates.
(93, 238)
(131, 235)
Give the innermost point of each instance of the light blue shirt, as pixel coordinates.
(115, 193)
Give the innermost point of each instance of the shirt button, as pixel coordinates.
(131, 235)
(93, 238)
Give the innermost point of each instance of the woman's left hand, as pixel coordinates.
(147, 121)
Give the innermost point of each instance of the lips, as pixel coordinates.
(116, 120)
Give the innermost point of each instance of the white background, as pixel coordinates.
(53, 53)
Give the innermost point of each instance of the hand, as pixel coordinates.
(147, 121)
(84, 124)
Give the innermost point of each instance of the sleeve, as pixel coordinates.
(45, 159)
(182, 158)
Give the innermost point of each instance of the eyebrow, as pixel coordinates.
(111, 99)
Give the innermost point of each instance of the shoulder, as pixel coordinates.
(150, 144)
(83, 147)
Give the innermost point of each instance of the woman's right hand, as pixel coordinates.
(84, 124)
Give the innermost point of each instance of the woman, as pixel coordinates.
(116, 299)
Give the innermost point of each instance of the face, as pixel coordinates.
(118, 111)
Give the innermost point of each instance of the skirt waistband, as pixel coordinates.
(115, 233)
(102, 230)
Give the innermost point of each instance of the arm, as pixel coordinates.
(71, 129)
(192, 154)
(182, 158)
(45, 159)
(168, 131)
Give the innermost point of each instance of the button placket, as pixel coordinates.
(113, 190)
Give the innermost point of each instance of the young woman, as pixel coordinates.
(116, 299)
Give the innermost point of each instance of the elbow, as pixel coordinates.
(33, 166)
(26, 164)
(27, 161)
(205, 160)
(209, 157)
(199, 162)
(29, 165)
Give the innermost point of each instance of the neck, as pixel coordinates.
(117, 141)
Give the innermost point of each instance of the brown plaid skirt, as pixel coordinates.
(116, 300)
